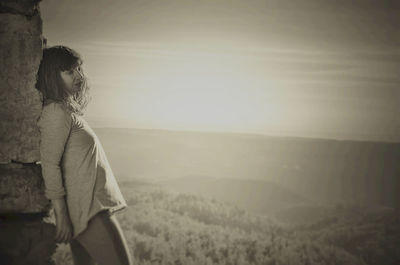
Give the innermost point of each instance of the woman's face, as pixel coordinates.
(73, 78)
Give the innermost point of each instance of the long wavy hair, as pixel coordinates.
(49, 82)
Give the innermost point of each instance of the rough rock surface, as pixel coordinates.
(25, 235)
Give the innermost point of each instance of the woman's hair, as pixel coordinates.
(49, 82)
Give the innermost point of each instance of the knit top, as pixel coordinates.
(74, 165)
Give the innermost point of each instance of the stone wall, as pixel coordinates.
(25, 237)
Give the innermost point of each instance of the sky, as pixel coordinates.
(308, 68)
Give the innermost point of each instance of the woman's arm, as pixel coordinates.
(55, 125)
(59, 205)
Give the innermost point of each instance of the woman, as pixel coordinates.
(77, 175)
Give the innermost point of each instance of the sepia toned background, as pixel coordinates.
(240, 132)
(246, 132)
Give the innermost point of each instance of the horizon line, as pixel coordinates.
(255, 134)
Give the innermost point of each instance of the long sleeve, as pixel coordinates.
(54, 125)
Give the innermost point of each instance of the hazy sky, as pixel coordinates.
(304, 68)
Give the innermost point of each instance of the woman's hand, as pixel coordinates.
(63, 221)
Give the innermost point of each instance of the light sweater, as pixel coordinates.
(75, 165)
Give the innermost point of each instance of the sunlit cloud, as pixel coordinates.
(264, 66)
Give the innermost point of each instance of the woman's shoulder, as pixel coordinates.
(51, 102)
(55, 109)
(54, 105)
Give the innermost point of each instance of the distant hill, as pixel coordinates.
(326, 170)
(258, 196)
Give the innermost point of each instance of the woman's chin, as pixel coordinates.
(76, 88)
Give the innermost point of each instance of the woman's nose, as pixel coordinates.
(80, 74)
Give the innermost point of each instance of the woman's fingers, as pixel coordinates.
(63, 229)
(69, 235)
(65, 235)
(60, 235)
